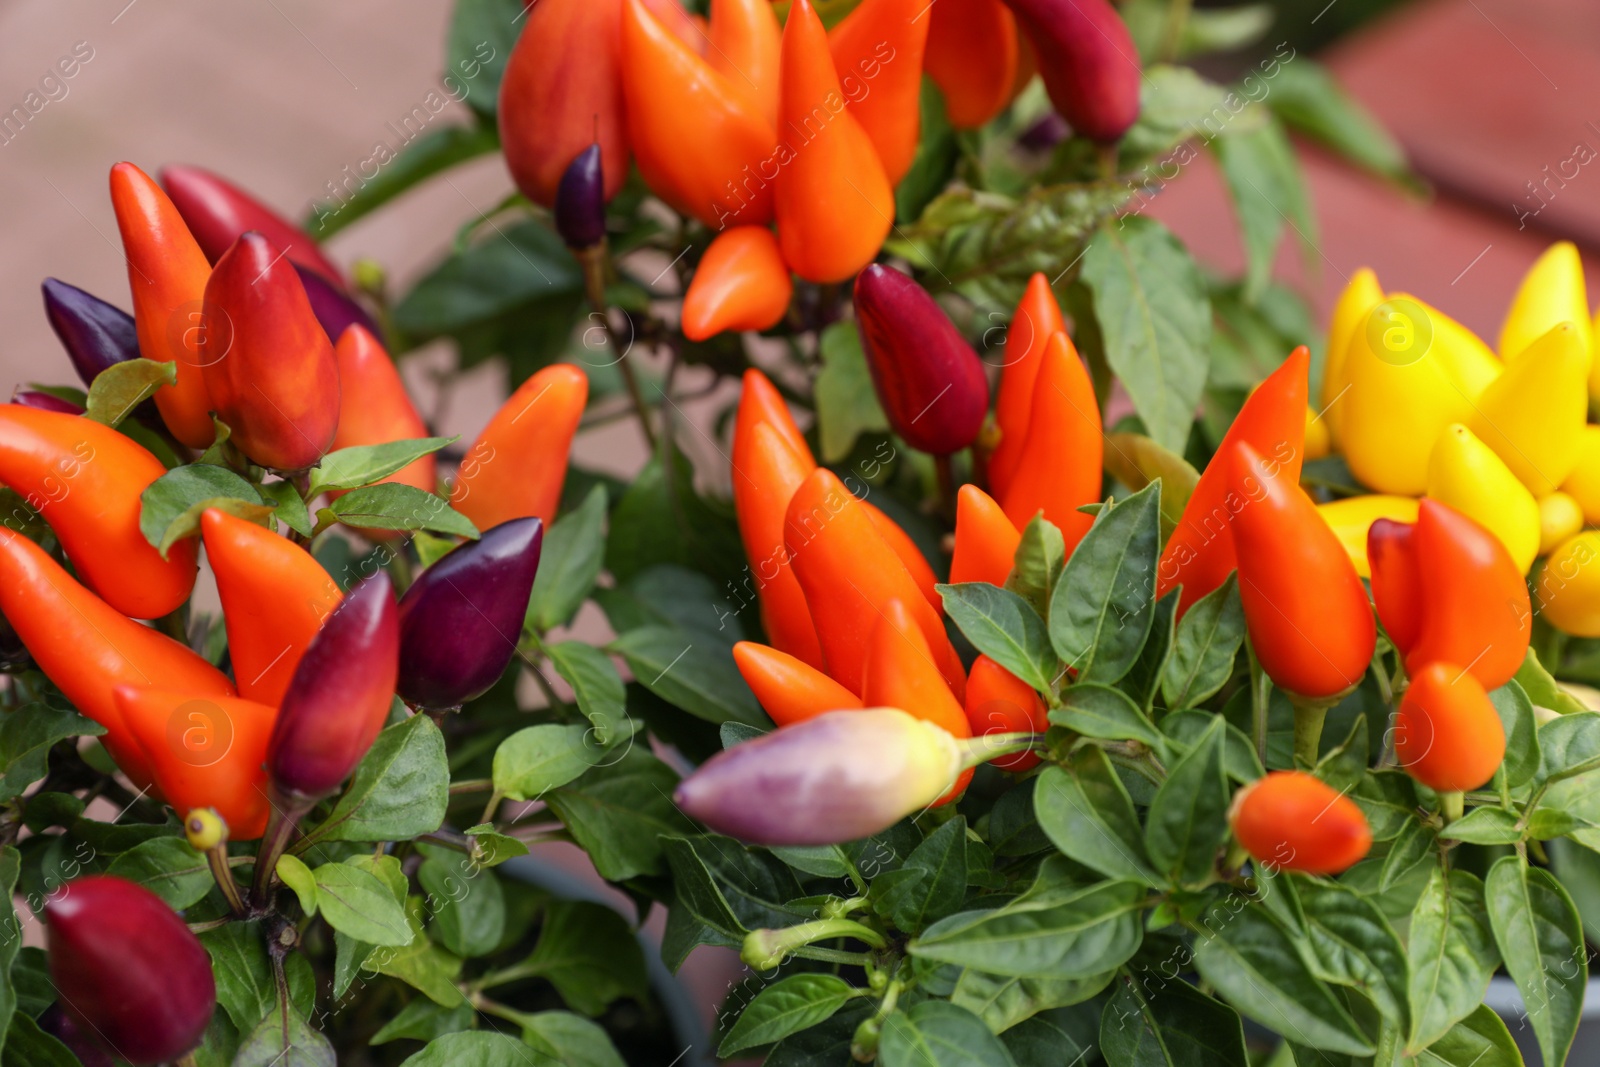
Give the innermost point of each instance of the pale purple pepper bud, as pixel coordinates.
(838, 777)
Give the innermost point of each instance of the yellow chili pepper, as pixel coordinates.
(1467, 475)
(1352, 517)
(1569, 586)
(1551, 292)
(1533, 414)
(1559, 518)
(1360, 296)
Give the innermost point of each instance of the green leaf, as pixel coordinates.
(1521, 762)
(355, 902)
(568, 1040)
(731, 888)
(169, 868)
(400, 790)
(597, 686)
(123, 386)
(1003, 1002)
(1207, 642)
(26, 1045)
(1058, 931)
(1452, 953)
(1066, 1035)
(482, 33)
(435, 150)
(509, 268)
(1041, 554)
(1101, 610)
(1103, 712)
(291, 509)
(847, 403)
(1264, 180)
(474, 1048)
(298, 877)
(1540, 936)
(1002, 626)
(786, 1007)
(1306, 97)
(1417, 845)
(393, 506)
(1143, 680)
(661, 519)
(936, 1033)
(569, 563)
(1188, 820)
(1485, 826)
(618, 814)
(245, 986)
(1542, 688)
(10, 871)
(931, 884)
(348, 468)
(1353, 944)
(1253, 961)
(423, 1020)
(1087, 813)
(1155, 319)
(285, 1041)
(466, 904)
(423, 965)
(1479, 1040)
(1135, 460)
(170, 506)
(590, 954)
(27, 734)
(689, 671)
(490, 849)
(537, 759)
(1173, 1025)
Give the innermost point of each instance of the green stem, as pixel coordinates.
(217, 860)
(1451, 806)
(472, 785)
(944, 472)
(765, 949)
(1172, 34)
(1260, 704)
(594, 286)
(976, 750)
(1308, 719)
(286, 814)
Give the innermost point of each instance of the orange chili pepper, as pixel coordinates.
(269, 366)
(789, 689)
(1396, 583)
(88, 648)
(766, 472)
(746, 43)
(205, 752)
(274, 595)
(167, 273)
(833, 201)
(1474, 601)
(1060, 466)
(518, 464)
(911, 556)
(1304, 606)
(849, 573)
(986, 541)
(1199, 554)
(900, 671)
(760, 401)
(86, 479)
(741, 283)
(1036, 320)
(878, 51)
(998, 702)
(1295, 822)
(1447, 734)
(698, 140)
(374, 407)
(972, 55)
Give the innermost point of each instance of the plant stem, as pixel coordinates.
(1172, 33)
(286, 814)
(594, 287)
(978, 750)
(944, 472)
(1308, 719)
(1260, 704)
(217, 860)
(1452, 805)
(471, 785)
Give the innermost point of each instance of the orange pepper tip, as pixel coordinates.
(741, 283)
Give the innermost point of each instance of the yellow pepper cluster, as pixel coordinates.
(1419, 405)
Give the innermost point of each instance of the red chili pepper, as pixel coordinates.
(1089, 63)
(1472, 600)
(1447, 734)
(972, 55)
(275, 597)
(374, 407)
(1060, 466)
(1199, 554)
(1036, 320)
(88, 648)
(849, 574)
(128, 970)
(86, 479)
(1294, 822)
(833, 200)
(1304, 605)
(339, 697)
(877, 50)
(518, 464)
(40, 401)
(1396, 582)
(789, 689)
(741, 283)
(998, 702)
(205, 752)
(269, 367)
(986, 541)
(900, 672)
(167, 272)
(219, 212)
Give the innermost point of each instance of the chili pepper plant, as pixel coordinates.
(1016, 644)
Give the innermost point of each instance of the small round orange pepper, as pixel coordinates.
(1447, 734)
(1292, 821)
